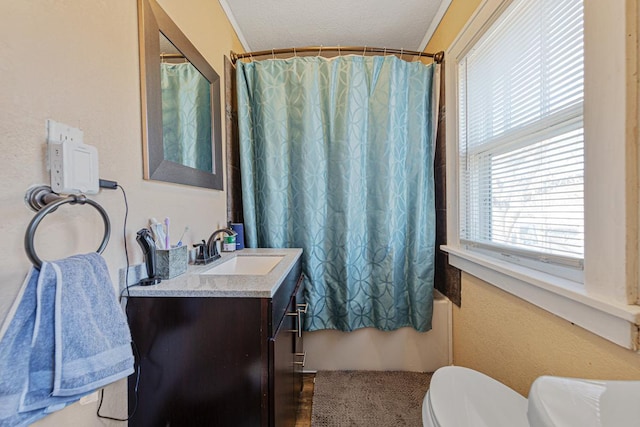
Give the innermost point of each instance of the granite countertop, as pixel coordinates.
(194, 284)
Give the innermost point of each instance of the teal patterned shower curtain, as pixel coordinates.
(186, 116)
(337, 159)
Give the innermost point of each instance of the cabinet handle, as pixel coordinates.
(300, 321)
(298, 329)
(302, 309)
(304, 358)
(298, 314)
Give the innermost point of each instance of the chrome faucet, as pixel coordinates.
(211, 243)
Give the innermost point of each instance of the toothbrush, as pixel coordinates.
(158, 232)
(166, 236)
(182, 236)
(152, 227)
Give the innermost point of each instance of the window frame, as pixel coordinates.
(607, 303)
(564, 266)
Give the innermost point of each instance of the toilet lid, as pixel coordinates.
(461, 397)
(556, 401)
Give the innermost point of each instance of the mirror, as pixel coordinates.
(180, 105)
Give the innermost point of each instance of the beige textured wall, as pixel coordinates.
(452, 22)
(76, 61)
(515, 342)
(508, 338)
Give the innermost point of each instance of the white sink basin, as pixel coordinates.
(246, 265)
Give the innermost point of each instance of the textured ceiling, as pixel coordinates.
(274, 24)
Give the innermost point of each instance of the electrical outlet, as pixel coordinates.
(73, 165)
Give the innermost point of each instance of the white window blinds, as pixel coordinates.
(520, 134)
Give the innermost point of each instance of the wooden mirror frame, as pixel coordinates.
(153, 20)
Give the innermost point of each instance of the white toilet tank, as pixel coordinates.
(556, 401)
(462, 397)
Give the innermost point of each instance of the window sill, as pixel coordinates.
(610, 320)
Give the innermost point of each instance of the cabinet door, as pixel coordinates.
(199, 361)
(284, 401)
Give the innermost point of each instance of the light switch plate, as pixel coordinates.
(59, 132)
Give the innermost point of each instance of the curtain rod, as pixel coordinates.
(437, 57)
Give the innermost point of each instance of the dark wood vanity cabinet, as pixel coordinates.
(218, 361)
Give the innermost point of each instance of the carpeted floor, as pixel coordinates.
(368, 398)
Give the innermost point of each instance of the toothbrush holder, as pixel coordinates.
(171, 262)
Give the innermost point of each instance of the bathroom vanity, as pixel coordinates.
(220, 345)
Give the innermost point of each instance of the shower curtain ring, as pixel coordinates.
(385, 52)
(319, 51)
(295, 54)
(401, 52)
(273, 55)
(364, 51)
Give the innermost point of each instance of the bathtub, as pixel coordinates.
(371, 349)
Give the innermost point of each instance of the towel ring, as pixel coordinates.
(44, 201)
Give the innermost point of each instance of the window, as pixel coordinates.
(521, 143)
(542, 161)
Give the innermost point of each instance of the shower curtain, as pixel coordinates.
(186, 116)
(337, 159)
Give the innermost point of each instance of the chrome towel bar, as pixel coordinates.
(43, 200)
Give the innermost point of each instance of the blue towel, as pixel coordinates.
(15, 347)
(68, 337)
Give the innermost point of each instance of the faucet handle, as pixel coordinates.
(202, 250)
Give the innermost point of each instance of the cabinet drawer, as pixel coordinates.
(283, 295)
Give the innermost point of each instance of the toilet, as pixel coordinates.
(462, 397)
